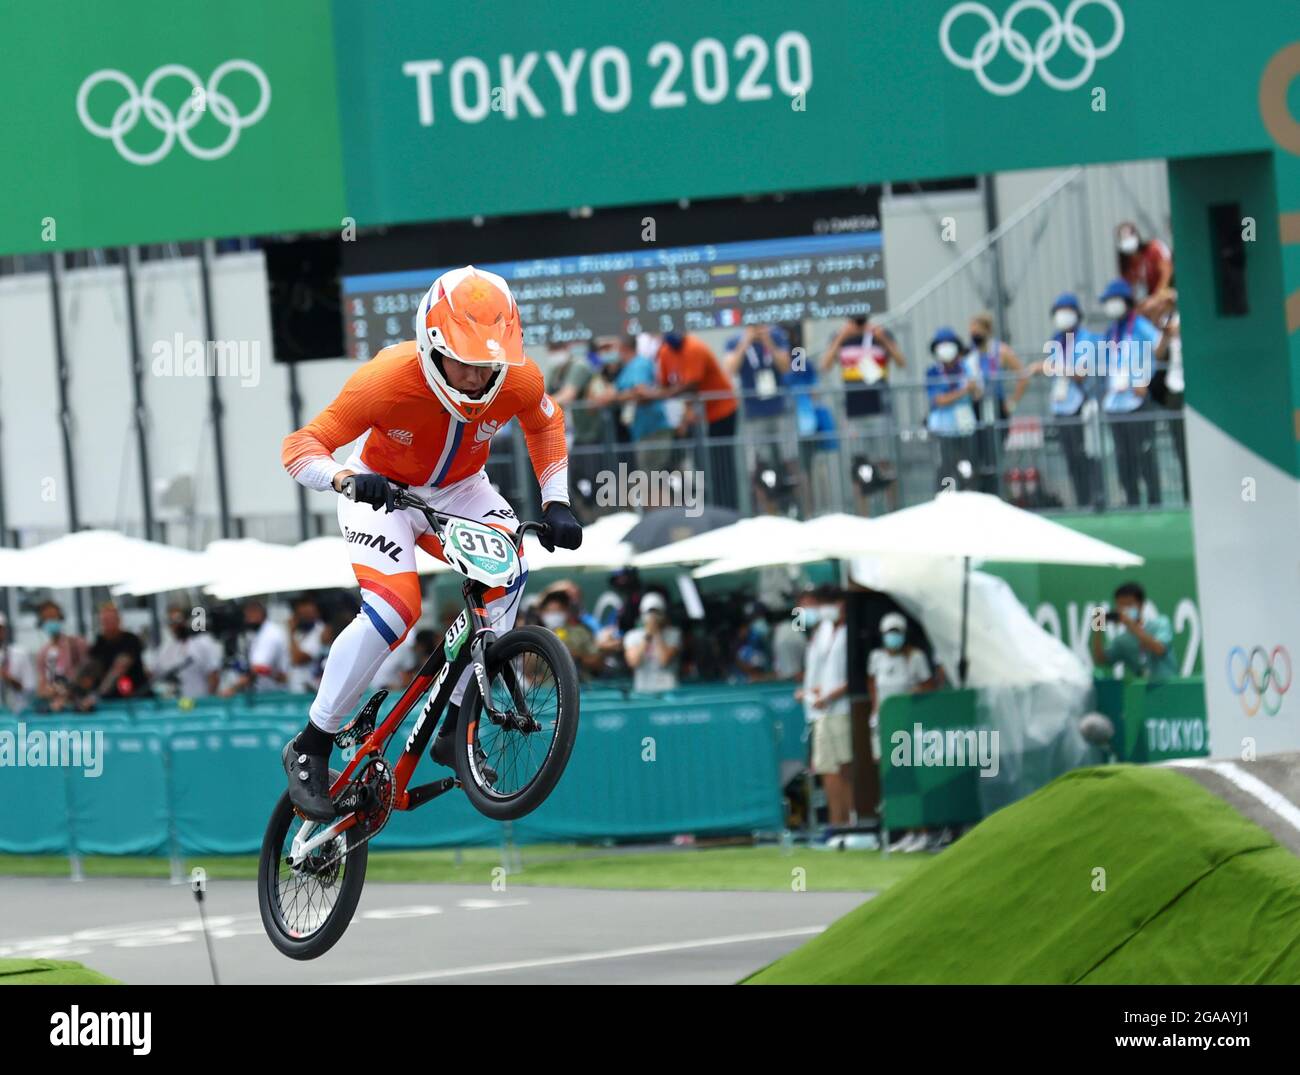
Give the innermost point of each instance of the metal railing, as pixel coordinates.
(876, 462)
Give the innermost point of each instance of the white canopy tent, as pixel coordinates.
(957, 527)
(602, 546)
(90, 558)
(773, 536)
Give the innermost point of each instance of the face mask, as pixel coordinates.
(53, 628)
(1065, 319)
(946, 351)
(894, 639)
(759, 628)
(811, 616)
(979, 339)
(554, 620)
(1115, 308)
(830, 613)
(1129, 244)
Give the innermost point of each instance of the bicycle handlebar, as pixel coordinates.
(404, 498)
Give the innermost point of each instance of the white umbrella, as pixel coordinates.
(89, 558)
(602, 546)
(961, 526)
(322, 563)
(979, 526)
(775, 535)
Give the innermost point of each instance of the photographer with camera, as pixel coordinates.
(1145, 643)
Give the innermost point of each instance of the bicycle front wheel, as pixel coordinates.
(306, 908)
(510, 757)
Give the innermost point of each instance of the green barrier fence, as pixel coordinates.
(204, 781)
(1153, 722)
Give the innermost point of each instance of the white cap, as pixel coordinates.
(893, 621)
(653, 602)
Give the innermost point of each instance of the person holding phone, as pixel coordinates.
(864, 350)
(1145, 642)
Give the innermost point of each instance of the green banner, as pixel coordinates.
(148, 121)
(553, 106)
(1059, 596)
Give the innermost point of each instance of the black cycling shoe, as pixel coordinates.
(444, 750)
(308, 783)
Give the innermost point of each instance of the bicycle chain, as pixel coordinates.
(386, 781)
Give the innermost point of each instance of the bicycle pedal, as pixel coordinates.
(358, 730)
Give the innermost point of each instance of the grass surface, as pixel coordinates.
(767, 869)
(1112, 875)
(49, 972)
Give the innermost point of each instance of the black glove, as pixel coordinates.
(564, 530)
(372, 489)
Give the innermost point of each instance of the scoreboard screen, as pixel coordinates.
(684, 289)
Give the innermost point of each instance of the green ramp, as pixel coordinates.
(1194, 893)
(49, 972)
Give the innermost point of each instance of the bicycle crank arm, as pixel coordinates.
(422, 794)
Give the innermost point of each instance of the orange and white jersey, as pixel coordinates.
(406, 434)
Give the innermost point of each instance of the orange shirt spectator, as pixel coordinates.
(691, 364)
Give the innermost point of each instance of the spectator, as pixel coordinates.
(864, 350)
(999, 367)
(17, 676)
(121, 655)
(826, 705)
(686, 365)
(569, 382)
(1130, 358)
(815, 430)
(189, 663)
(58, 660)
(643, 414)
(1148, 267)
(953, 387)
(559, 614)
(306, 647)
(760, 357)
(752, 662)
(653, 648)
(577, 612)
(790, 636)
(266, 659)
(897, 667)
(83, 691)
(1145, 643)
(1168, 384)
(1071, 370)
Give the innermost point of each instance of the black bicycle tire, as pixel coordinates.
(568, 707)
(268, 868)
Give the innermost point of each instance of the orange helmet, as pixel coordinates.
(469, 316)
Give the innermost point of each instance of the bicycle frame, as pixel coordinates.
(469, 642)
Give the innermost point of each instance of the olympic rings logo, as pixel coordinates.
(202, 99)
(1034, 58)
(1257, 678)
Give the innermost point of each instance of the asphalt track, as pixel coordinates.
(148, 931)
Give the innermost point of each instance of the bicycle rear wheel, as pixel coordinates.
(306, 908)
(508, 764)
